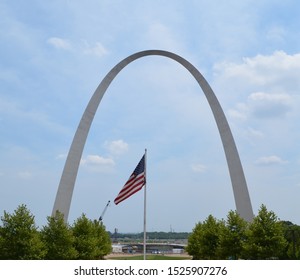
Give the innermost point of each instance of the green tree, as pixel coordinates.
(292, 235)
(20, 238)
(103, 240)
(204, 240)
(58, 239)
(265, 237)
(91, 239)
(194, 242)
(232, 237)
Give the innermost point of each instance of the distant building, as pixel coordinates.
(151, 248)
(117, 248)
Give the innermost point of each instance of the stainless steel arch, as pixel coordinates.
(66, 186)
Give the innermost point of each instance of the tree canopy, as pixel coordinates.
(266, 237)
(263, 238)
(21, 239)
(58, 239)
(91, 239)
(232, 237)
(203, 242)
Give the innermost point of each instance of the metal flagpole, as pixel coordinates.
(145, 205)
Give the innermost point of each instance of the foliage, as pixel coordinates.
(292, 235)
(58, 239)
(194, 242)
(103, 240)
(203, 243)
(265, 237)
(233, 237)
(20, 238)
(91, 240)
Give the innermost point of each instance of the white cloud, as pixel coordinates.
(239, 113)
(254, 133)
(261, 96)
(278, 71)
(198, 168)
(96, 163)
(263, 105)
(117, 147)
(270, 160)
(59, 43)
(272, 81)
(61, 156)
(97, 160)
(267, 105)
(263, 86)
(98, 49)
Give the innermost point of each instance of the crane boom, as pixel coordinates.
(105, 208)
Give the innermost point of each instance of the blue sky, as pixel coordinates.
(53, 55)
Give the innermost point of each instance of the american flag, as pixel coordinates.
(135, 182)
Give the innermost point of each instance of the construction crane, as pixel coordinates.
(105, 208)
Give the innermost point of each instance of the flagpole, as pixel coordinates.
(144, 247)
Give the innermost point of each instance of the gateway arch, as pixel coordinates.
(67, 182)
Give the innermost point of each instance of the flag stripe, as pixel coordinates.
(133, 188)
(132, 191)
(135, 182)
(132, 182)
